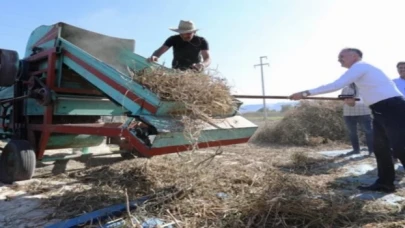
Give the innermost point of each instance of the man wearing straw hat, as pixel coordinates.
(387, 106)
(189, 50)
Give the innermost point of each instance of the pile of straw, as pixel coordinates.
(199, 96)
(309, 123)
(293, 201)
(202, 94)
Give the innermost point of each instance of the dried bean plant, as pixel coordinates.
(200, 96)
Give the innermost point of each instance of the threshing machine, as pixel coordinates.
(55, 96)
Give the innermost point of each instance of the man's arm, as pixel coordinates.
(156, 54)
(348, 77)
(160, 51)
(206, 58)
(205, 52)
(205, 55)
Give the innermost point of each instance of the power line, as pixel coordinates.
(263, 90)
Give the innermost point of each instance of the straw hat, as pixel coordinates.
(185, 27)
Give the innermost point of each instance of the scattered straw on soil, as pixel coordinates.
(232, 191)
(309, 123)
(304, 164)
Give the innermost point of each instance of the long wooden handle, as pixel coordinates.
(286, 97)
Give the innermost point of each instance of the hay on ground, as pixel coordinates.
(309, 123)
(211, 197)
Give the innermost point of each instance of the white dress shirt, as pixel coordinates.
(373, 84)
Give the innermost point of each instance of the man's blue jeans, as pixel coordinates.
(365, 122)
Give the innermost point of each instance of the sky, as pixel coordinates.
(301, 38)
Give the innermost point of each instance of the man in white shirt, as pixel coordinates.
(357, 113)
(400, 82)
(388, 108)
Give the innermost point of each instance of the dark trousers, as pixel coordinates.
(365, 122)
(389, 131)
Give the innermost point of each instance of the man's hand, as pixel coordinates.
(350, 102)
(198, 66)
(153, 59)
(297, 96)
(156, 54)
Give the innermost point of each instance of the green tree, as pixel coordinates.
(285, 108)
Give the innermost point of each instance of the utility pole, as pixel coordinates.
(264, 100)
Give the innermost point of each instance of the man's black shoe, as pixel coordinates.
(378, 188)
(353, 152)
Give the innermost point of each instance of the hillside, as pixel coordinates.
(270, 106)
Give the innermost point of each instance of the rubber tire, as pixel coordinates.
(117, 141)
(8, 67)
(132, 154)
(24, 162)
(128, 155)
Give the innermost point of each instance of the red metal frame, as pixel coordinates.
(151, 108)
(107, 129)
(115, 129)
(49, 55)
(77, 91)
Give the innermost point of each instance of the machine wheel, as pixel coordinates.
(9, 61)
(17, 162)
(128, 155)
(132, 154)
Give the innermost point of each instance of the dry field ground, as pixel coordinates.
(248, 185)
